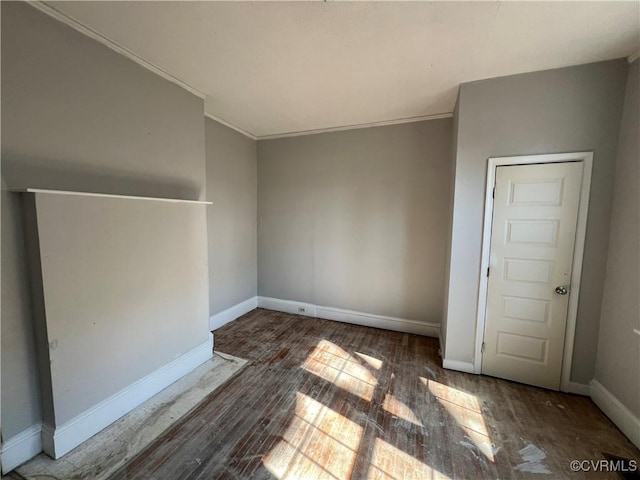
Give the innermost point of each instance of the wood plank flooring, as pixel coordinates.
(327, 400)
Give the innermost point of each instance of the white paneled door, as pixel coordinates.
(532, 244)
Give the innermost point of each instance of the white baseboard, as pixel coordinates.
(350, 316)
(579, 389)
(21, 447)
(287, 306)
(379, 321)
(623, 418)
(466, 367)
(64, 438)
(231, 313)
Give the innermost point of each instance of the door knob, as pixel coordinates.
(562, 290)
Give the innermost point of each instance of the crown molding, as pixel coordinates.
(231, 126)
(116, 47)
(633, 57)
(330, 129)
(113, 45)
(357, 126)
(143, 62)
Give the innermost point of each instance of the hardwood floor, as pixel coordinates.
(324, 399)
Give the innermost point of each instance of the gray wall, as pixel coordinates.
(618, 362)
(563, 110)
(78, 116)
(232, 182)
(356, 219)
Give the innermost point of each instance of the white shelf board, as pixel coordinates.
(107, 195)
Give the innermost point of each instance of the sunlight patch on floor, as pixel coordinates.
(389, 463)
(319, 443)
(332, 363)
(399, 409)
(465, 409)
(373, 362)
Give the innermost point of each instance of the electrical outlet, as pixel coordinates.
(301, 309)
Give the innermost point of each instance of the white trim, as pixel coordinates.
(356, 126)
(230, 125)
(130, 54)
(620, 415)
(60, 440)
(441, 341)
(107, 195)
(231, 313)
(350, 316)
(287, 306)
(576, 272)
(633, 57)
(149, 65)
(466, 367)
(579, 389)
(113, 45)
(581, 228)
(21, 447)
(379, 321)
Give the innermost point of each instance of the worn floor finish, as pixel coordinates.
(329, 400)
(114, 446)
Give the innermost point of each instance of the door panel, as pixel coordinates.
(532, 242)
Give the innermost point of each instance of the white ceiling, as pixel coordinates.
(273, 68)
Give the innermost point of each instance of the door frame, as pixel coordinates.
(581, 228)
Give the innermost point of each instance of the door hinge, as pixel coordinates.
(482, 348)
(488, 270)
(493, 195)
